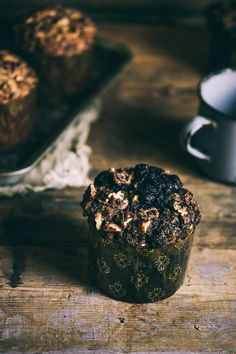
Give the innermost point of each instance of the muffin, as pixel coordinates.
(18, 84)
(142, 223)
(59, 43)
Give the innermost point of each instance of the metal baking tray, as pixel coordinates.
(52, 121)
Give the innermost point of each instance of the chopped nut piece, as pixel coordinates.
(135, 199)
(118, 195)
(127, 221)
(145, 225)
(152, 213)
(64, 22)
(190, 229)
(119, 199)
(93, 190)
(149, 214)
(188, 197)
(112, 228)
(98, 220)
(124, 204)
(183, 211)
(178, 205)
(122, 176)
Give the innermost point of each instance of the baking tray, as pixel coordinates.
(52, 121)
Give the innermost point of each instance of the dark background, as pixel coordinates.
(167, 11)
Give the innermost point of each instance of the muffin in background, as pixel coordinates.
(142, 223)
(59, 43)
(18, 84)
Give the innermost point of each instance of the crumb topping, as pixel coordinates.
(17, 79)
(143, 206)
(57, 31)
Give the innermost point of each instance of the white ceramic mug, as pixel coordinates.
(210, 137)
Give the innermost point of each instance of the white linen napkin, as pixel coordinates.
(67, 164)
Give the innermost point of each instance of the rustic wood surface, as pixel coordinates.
(47, 303)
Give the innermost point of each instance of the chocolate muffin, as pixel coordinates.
(18, 84)
(59, 43)
(142, 223)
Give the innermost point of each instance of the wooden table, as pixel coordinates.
(46, 301)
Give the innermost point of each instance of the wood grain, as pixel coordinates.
(61, 313)
(47, 303)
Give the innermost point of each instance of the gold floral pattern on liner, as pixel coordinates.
(161, 262)
(133, 262)
(175, 274)
(156, 294)
(179, 245)
(117, 290)
(122, 260)
(147, 252)
(188, 249)
(139, 280)
(102, 266)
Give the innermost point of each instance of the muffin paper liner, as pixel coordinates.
(61, 77)
(16, 120)
(127, 274)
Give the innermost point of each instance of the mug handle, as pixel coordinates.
(189, 130)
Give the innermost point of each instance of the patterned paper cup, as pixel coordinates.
(139, 276)
(62, 77)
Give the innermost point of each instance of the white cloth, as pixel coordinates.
(67, 164)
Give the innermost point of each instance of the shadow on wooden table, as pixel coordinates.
(150, 133)
(46, 246)
(188, 46)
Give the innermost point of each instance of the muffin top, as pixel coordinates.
(56, 32)
(143, 206)
(17, 79)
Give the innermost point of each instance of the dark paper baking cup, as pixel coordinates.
(61, 77)
(138, 276)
